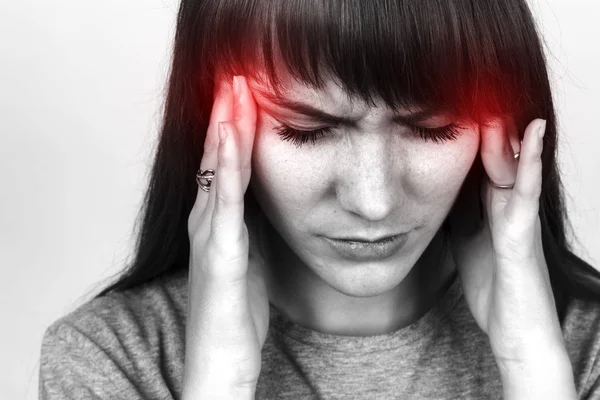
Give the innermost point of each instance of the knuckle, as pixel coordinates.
(222, 231)
(220, 253)
(224, 202)
(221, 199)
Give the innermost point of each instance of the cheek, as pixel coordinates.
(280, 180)
(436, 173)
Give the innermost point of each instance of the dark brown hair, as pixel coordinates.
(474, 58)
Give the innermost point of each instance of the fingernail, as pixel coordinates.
(542, 130)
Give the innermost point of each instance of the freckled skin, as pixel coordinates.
(380, 177)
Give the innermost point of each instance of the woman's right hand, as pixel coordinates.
(228, 308)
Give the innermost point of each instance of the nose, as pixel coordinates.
(367, 184)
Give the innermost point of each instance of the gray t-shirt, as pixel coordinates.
(130, 345)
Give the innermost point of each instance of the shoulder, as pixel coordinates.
(581, 330)
(117, 340)
(129, 313)
(581, 322)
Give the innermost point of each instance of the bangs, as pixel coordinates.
(462, 56)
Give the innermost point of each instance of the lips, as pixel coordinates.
(366, 250)
(365, 240)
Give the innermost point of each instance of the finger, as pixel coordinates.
(524, 203)
(227, 225)
(497, 152)
(221, 111)
(245, 122)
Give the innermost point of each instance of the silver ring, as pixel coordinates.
(206, 175)
(504, 186)
(501, 186)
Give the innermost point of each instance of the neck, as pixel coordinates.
(307, 300)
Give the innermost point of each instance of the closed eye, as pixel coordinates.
(300, 137)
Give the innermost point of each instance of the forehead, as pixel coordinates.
(293, 88)
(330, 96)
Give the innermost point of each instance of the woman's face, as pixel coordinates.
(371, 177)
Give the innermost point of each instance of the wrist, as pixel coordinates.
(547, 376)
(218, 392)
(214, 383)
(530, 349)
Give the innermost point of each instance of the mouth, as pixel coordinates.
(366, 240)
(359, 250)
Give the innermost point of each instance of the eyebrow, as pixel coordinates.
(323, 117)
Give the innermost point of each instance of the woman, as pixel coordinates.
(379, 216)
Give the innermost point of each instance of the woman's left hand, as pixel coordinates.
(502, 268)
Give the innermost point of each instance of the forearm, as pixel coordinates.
(548, 376)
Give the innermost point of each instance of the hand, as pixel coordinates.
(228, 309)
(502, 268)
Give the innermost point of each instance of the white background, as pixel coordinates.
(81, 89)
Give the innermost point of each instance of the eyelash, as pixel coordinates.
(298, 137)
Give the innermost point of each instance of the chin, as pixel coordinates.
(366, 279)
